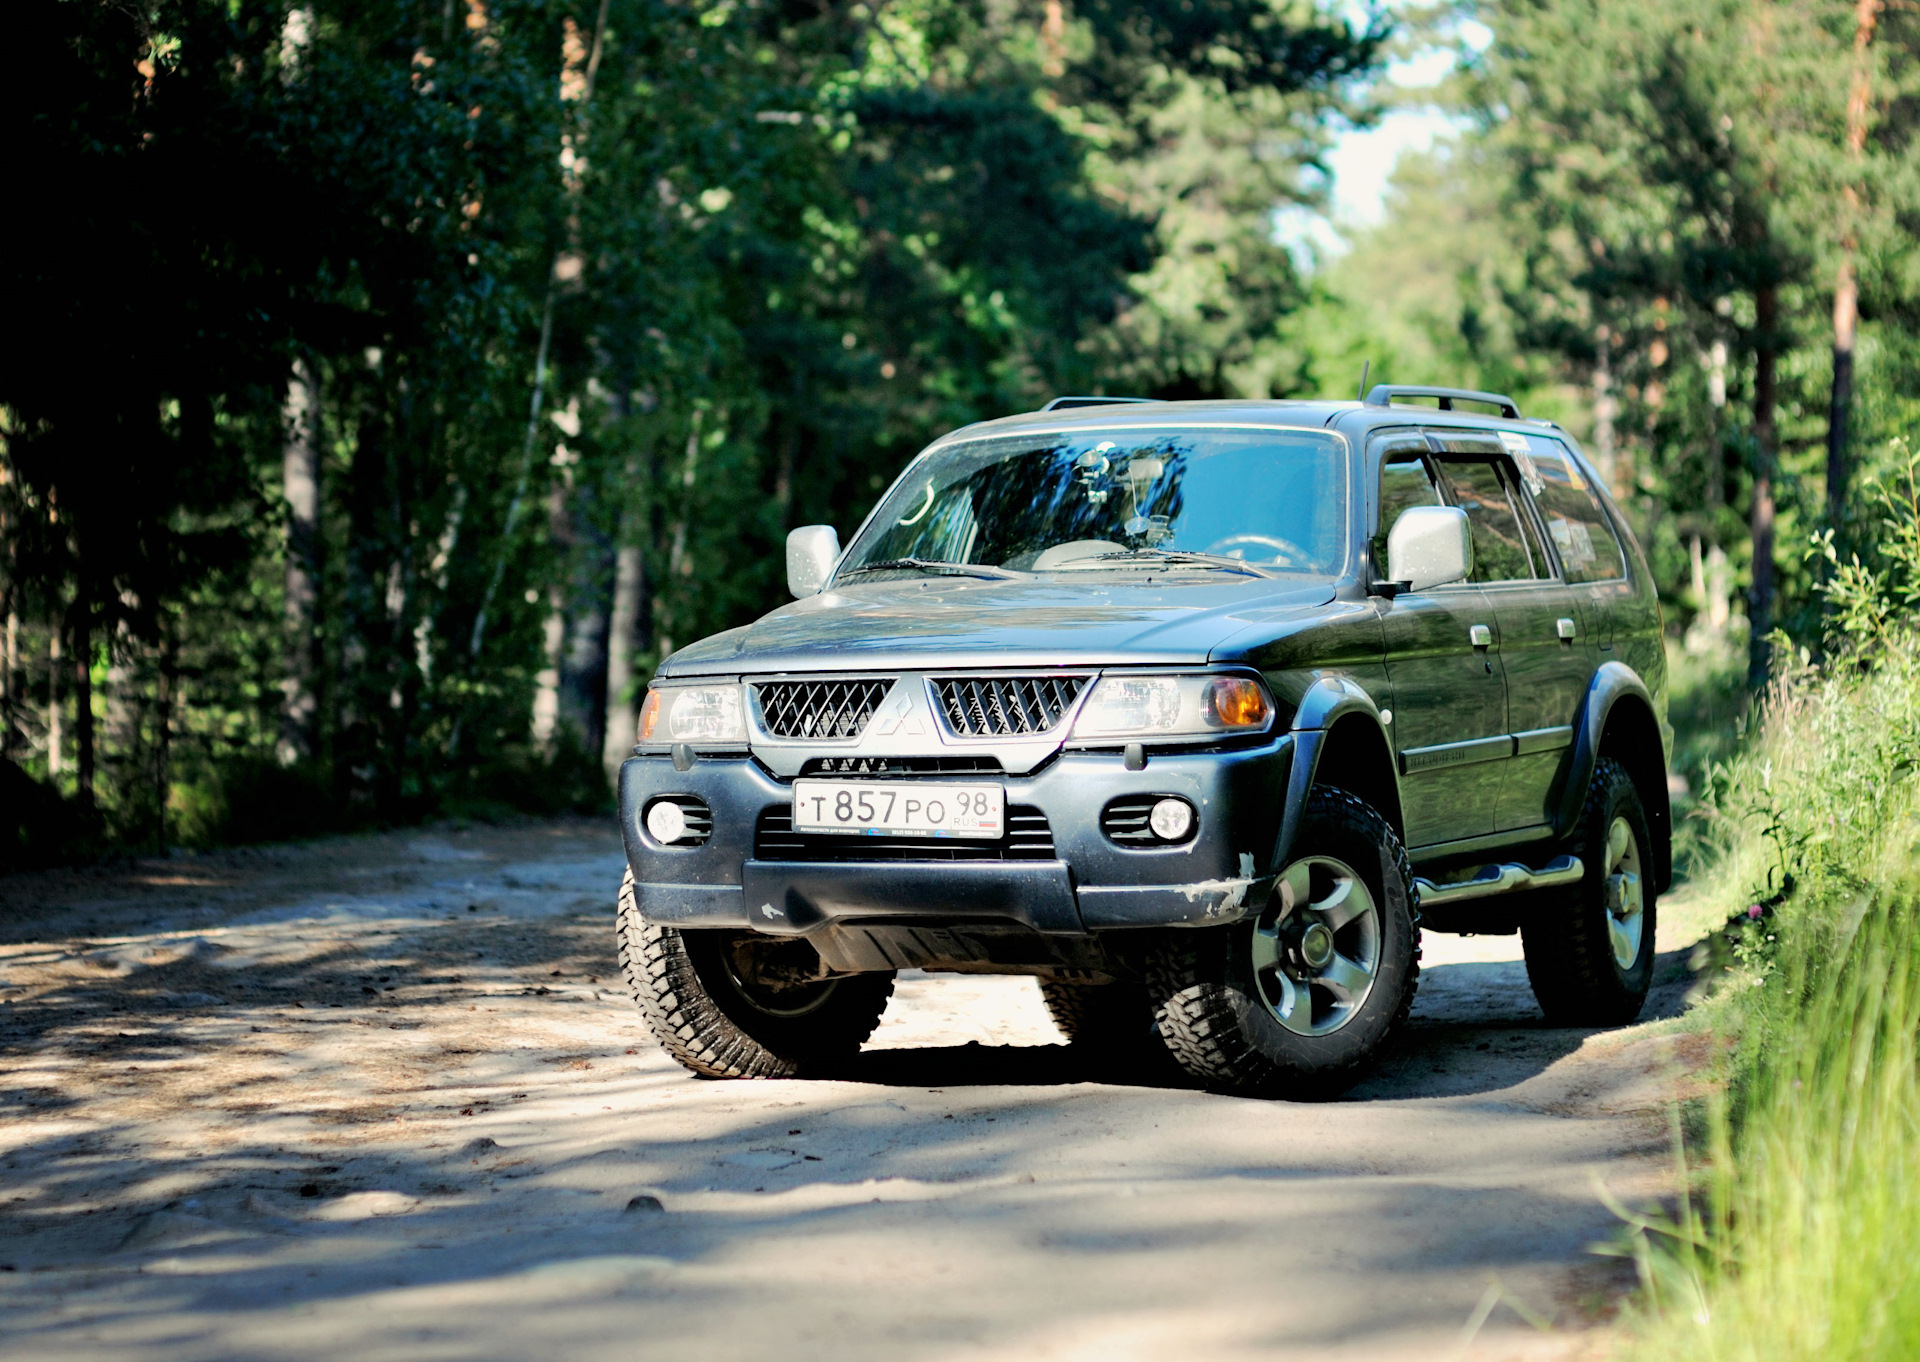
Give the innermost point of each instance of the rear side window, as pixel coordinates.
(1589, 550)
(1503, 548)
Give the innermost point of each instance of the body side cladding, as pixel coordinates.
(1338, 718)
(1618, 720)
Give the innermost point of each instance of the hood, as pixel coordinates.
(932, 623)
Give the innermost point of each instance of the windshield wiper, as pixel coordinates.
(934, 565)
(1215, 560)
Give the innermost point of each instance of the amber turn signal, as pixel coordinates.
(649, 715)
(1236, 702)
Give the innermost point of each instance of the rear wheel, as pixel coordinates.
(1295, 1000)
(731, 1004)
(1590, 947)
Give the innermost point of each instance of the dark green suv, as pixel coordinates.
(1196, 711)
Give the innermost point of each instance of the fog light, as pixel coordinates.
(667, 821)
(1171, 820)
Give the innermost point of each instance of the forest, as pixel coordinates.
(390, 387)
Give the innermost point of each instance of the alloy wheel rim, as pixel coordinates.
(1316, 950)
(1625, 894)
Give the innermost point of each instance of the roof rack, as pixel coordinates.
(1383, 395)
(1063, 403)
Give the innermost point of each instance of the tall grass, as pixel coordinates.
(1800, 1236)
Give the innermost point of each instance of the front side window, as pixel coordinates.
(1404, 483)
(1113, 500)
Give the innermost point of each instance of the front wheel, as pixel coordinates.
(1589, 948)
(741, 1005)
(1296, 1000)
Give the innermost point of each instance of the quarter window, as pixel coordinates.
(1582, 533)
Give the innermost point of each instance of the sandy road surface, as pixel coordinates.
(383, 1097)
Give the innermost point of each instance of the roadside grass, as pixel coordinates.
(1799, 1235)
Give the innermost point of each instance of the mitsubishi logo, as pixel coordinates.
(900, 715)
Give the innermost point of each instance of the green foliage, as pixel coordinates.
(1800, 1241)
(1873, 602)
(551, 290)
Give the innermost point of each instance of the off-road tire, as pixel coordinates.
(1570, 960)
(1111, 1023)
(705, 1020)
(1210, 1013)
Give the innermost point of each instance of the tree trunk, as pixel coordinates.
(8, 684)
(553, 634)
(56, 739)
(1760, 599)
(163, 736)
(629, 582)
(300, 473)
(583, 669)
(1846, 288)
(83, 704)
(1845, 314)
(666, 602)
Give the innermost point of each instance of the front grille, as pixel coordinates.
(1028, 839)
(1005, 706)
(902, 766)
(820, 709)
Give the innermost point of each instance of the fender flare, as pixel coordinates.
(1611, 684)
(1327, 701)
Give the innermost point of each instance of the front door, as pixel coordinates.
(1444, 665)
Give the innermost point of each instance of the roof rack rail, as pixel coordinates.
(1063, 403)
(1383, 394)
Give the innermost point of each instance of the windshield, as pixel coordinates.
(1112, 499)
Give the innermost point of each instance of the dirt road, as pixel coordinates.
(383, 1098)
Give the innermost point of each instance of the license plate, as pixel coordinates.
(866, 808)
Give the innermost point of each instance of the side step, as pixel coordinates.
(1500, 879)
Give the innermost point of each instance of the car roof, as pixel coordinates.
(1235, 411)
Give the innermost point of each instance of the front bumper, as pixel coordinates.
(1093, 884)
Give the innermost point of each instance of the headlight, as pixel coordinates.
(1174, 706)
(693, 714)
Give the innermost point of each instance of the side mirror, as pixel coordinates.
(1428, 546)
(812, 550)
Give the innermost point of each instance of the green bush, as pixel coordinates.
(1801, 1235)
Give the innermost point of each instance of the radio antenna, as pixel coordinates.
(1365, 367)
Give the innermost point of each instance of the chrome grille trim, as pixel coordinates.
(902, 766)
(820, 709)
(1006, 706)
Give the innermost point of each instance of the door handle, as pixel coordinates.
(1481, 636)
(1566, 628)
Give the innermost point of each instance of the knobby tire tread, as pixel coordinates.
(683, 1015)
(1569, 957)
(1197, 1017)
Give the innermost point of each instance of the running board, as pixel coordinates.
(1500, 879)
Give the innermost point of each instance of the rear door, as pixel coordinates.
(1581, 536)
(1449, 696)
(1546, 641)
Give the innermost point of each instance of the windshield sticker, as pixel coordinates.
(1522, 452)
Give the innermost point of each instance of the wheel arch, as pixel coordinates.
(1619, 722)
(1339, 739)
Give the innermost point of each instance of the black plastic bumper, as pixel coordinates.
(1093, 884)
